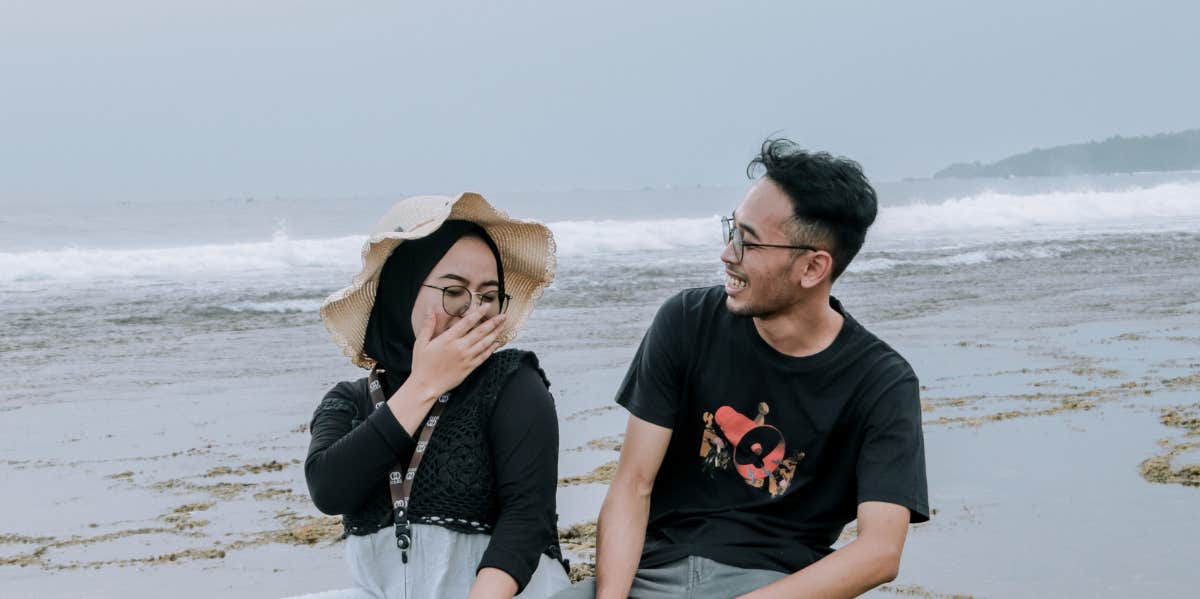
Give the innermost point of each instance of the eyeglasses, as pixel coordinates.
(731, 233)
(456, 300)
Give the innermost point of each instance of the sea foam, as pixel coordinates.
(962, 231)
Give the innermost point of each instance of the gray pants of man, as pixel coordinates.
(690, 578)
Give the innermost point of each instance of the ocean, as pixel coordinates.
(127, 294)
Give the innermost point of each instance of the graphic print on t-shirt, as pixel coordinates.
(751, 447)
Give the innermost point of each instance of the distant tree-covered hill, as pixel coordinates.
(1162, 152)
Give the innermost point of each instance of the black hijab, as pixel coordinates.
(390, 337)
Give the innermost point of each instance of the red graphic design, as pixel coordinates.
(757, 448)
(754, 449)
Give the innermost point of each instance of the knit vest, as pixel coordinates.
(455, 486)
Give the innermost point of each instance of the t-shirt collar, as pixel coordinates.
(815, 361)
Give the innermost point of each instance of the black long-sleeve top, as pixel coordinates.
(347, 463)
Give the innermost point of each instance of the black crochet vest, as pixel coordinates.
(455, 487)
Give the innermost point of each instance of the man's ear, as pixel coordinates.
(813, 268)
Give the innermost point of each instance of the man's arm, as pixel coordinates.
(869, 561)
(621, 530)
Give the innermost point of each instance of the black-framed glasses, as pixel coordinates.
(456, 300)
(731, 233)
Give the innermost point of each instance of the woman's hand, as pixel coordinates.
(493, 583)
(441, 363)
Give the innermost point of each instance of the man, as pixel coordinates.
(763, 418)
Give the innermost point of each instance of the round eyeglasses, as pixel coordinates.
(731, 233)
(456, 300)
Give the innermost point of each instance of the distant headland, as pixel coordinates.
(1148, 153)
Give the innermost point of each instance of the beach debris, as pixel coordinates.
(1162, 468)
(193, 507)
(1066, 404)
(37, 557)
(279, 493)
(592, 412)
(1158, 469)
(578, 537)
(222, 490)
(296, 530)
(183, 522)
(601, 474)
(1058, 402)
(1092, 371)
(581, 571)
(181, 517)
(1186, 417)
(918, 591)
(1181, 382)
(610, 443)
(580, 540)
(304, 530)
(271, 466)
(22, 540)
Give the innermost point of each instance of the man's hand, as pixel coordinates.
(622, 525)
(865, 563)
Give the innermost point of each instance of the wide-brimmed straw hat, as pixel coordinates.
(526, 250)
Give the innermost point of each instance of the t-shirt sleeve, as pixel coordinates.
(891, 464)
(653, 385)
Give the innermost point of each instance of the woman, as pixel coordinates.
(443, 461)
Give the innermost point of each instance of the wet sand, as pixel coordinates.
(1064, 461)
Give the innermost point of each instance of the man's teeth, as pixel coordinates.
(734, 282)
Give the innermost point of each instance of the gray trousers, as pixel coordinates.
(690, 578)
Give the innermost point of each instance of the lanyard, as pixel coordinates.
(400, 483)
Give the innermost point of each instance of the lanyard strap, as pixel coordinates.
(400, 482)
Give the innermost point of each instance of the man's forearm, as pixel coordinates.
(619, 539)
(848, 572)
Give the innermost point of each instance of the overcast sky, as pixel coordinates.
(154, 98)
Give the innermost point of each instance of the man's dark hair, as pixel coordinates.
(833, 204)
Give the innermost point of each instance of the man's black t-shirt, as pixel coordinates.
(770, 455)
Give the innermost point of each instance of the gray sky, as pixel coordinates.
(223, 98)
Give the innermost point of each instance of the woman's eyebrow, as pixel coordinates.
(466, 283)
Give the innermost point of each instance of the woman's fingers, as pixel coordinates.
(427, 325)
(460, 349)
(485, 341)
(484, 354)
(466, 323)
(483, 329)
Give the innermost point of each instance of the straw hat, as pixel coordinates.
(526, 249)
